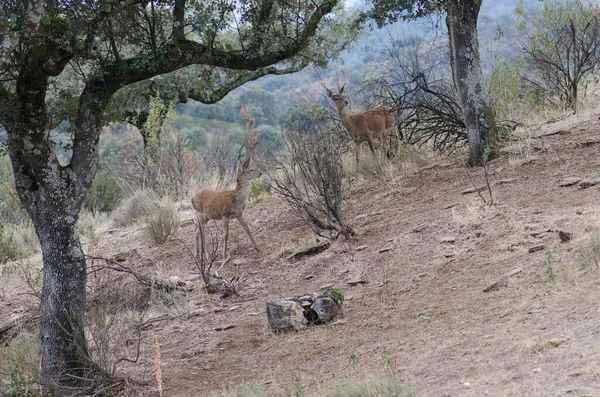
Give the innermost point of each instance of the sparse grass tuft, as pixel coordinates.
(19, 363)
(589, 252)
(388, 387)
(16, 242)
(88, 223)
(162, 222)
(549, 265)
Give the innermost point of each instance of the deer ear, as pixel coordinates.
(330, 93)
(246, 163)
(342, 89)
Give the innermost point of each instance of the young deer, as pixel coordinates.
(367, 126)
(227, 204)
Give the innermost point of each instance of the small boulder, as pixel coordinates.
(286, 315)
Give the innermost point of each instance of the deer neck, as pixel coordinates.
(345, 118)
(242, 189)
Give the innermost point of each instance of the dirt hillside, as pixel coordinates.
(425, 251)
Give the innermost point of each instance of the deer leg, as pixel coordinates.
(357, 151)
(247, 229)
(225, 236)
(371, 146)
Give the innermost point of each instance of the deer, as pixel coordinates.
(367, 126)
(227, 204)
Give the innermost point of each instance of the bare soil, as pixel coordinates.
(421, 313)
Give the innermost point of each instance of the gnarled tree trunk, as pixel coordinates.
(468, 76)
(53, 194)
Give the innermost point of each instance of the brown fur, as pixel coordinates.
(227, 204)
(367, 126)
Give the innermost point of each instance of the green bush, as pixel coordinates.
(105, 194)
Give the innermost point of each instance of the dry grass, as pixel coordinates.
(162, 222)
(136, 206)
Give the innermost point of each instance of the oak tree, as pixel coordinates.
(461, 22)
(104, 46)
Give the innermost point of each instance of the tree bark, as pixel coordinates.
(478, 115)
(53, 194)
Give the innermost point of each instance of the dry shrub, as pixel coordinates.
(17, 241)
(162, 222)
(588, 253)
(135, 207)
(311, 180)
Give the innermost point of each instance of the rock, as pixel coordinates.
(502, 281)
(588, 182)
(497, 284)
(224, 327)
(357, 281)
(565, 237)
(569, 181)
(593, 140)
(299, 312)
(447, 239)
(286, 315)
(536, 248)
(473, 190)
(326, 308)
(419, 229)
(540, 232)
(360, 248)
(385, 249)
(312, 249)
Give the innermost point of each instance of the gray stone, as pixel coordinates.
(447, 239)
(285, 315)
(312, 249)
(588, 182)
(569, 181)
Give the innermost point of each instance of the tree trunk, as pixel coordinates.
(468, 77)
(62, 310)
(53, 194)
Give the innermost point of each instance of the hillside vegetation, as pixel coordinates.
(456, 280)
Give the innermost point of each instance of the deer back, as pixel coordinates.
(375, 123)
(216, 205)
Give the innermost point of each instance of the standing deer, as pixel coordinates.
(227, 204)
(366, 126)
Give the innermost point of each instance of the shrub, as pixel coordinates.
(11, 210)
(19, 363)
(259, 186)
(162, 223)
(105, 193)
(135, 207)
(311, 180)
(16, 242)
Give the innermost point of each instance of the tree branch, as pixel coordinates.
(246, 76)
